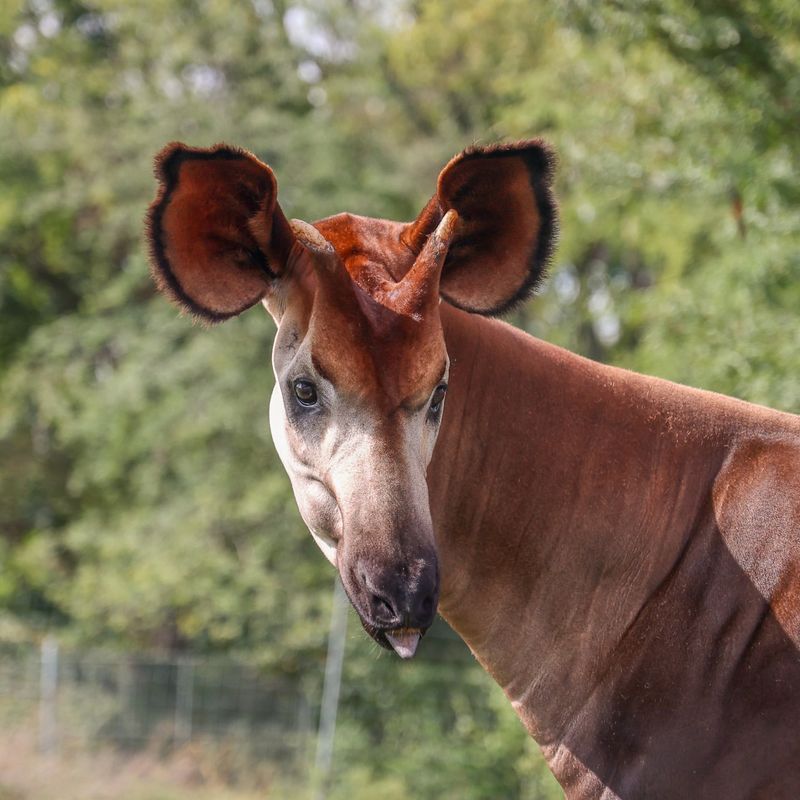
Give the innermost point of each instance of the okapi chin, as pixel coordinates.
(621, 553)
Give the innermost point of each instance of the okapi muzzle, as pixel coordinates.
(395, 597)
(359, 358)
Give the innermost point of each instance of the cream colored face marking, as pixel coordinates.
(278, 425)
(336, 462)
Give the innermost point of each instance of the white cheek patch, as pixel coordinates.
(328, 546)
(277, 424)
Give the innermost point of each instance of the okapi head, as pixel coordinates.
(360, 360)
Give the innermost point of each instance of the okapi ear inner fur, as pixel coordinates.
(508, 225)
(217, 237)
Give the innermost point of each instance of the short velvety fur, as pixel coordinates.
(635, 549)
(621, 553)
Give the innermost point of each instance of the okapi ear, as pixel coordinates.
(218, 239)
(507, 224)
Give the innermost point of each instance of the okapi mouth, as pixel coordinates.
(396, 604)
(403, 641)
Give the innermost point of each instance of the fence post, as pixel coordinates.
(184, 701)
(48, 692)
(330, 692)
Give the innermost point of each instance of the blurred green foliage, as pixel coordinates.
(141, 502)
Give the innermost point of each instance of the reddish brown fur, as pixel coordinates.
(214, 229)
(647, 543)
(621, 553)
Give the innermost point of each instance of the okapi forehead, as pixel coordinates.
(368, 247)
(370, 353)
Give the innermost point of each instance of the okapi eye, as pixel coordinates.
(438, 397)
(305, 392)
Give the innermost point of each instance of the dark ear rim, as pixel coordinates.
(541, 162)
(166, 168)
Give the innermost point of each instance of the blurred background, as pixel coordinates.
(164, 616)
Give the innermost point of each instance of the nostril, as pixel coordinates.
(382, 604)
(427, 605)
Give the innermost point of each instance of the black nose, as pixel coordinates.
(399, 598)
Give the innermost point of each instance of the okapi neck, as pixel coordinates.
(563, 492)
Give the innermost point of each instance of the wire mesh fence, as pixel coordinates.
(69, 700)
(436, 727)
(77, 699)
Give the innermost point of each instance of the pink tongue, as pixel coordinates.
(404, 641)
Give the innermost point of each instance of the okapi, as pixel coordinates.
(621, 553)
